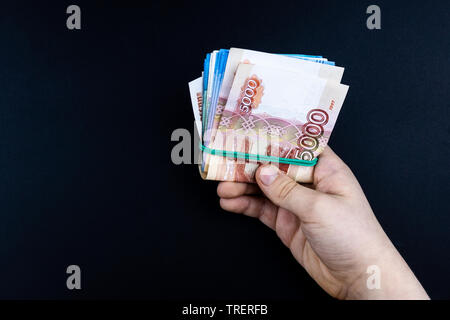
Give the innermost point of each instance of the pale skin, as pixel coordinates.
(329, 228)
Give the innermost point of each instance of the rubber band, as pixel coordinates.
(257, 157)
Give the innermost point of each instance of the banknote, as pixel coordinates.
(208, 97)
(209, 103)
(205, 76)
(309, 64)
(218, 66)
(196, 86)
(195, 90)
(276, 112)
(237, 56)
(216, 69)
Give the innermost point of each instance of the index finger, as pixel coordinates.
(229, 189)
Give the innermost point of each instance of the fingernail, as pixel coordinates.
(268, 174)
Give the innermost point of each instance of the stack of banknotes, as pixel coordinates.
(252, 107)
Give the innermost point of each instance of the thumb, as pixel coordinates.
(285, 192)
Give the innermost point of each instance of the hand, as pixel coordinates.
(329, 227)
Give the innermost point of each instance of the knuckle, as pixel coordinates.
(264, 212)
(219, 190)
(285, 188)
(263, 209)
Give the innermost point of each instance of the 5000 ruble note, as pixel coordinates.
(275, 112)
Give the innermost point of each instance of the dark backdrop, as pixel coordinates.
(86, 117)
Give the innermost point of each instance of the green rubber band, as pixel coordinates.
(257, 157)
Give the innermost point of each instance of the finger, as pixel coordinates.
(329, 161)
(333, 176)
(287, 225)
(285, 192)
(235, 189)
(256, 207)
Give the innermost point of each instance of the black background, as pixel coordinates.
(86, 118)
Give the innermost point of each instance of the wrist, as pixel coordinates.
(386, 277)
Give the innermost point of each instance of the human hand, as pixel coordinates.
(329, 227)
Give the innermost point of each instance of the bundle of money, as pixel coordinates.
(252, 107)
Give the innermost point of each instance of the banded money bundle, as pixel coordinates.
(253, 107)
